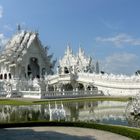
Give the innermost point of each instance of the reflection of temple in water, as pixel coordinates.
(101, 111)
(105, 110)
(10, 113)
(56, 112)
(68, 111)
(35, 112)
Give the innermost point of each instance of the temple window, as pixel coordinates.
(33, 68)
(9, 75)
(29, 71)
(80, 86)
(1, 76)
(5, 76)
(66, 70)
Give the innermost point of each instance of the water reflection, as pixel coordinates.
(110, 112)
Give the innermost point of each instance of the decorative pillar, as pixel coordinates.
(91, 90)
(62, 70)
(26, 71)
(54, 90)
(47, 88)
(73, 90)
(63, 91)
(77, 91)
(85, 88)
(59, 90)
(75, 87)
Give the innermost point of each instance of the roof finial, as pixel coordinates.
(68, 50)
(18, 27)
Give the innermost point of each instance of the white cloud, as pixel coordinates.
(110, 25)
(120, 40)
(1, 11)
(125, 63)
(3, 41)
(8, 27)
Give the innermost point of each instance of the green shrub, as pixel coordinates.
(122, 130)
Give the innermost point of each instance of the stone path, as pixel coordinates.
(57, 133)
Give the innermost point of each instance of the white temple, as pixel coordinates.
(71, 63)
(24, 57)
(26, 70)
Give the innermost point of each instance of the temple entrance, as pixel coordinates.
(33, 68)
(80, 86)
(1, 76)
(66, 71)
(67, 87)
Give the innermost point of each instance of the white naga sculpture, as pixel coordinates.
(133, 106)
(132, 111)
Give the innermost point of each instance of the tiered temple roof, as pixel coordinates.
(17, 46)
(80, 61)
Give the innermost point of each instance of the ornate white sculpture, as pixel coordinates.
(132, 111)
(75, 63)
(133, 106)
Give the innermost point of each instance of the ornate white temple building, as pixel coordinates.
(26, 70)
(24, 57)
(71, 63)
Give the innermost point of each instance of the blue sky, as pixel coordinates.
(108, 30)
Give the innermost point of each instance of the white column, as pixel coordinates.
(73, 90)
(76, 91)
(85, 88)
(63, 91)
(91, 90)
(59, 90)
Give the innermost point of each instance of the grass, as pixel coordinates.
(133, 133)
(21, 101)
(14, 102)
(123, 99)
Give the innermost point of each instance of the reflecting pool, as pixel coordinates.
(108, 112)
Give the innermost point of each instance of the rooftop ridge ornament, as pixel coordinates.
(81, 51)
(68, 50)
(18, 27)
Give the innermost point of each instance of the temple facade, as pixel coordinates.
(25, 57)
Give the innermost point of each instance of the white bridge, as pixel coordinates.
(109, 85)
(76, 76)
(72, 85)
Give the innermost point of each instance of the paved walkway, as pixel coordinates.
(57, 133)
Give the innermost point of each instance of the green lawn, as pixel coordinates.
(14, 102)
(21, 101)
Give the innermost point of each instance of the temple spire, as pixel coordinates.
(81, 52)
(97, 67)
(69, 50)
(18, 27)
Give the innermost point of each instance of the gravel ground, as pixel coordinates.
(57, 133)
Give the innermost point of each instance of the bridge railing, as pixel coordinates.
(70, 94)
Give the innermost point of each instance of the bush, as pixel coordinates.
(122, 130)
